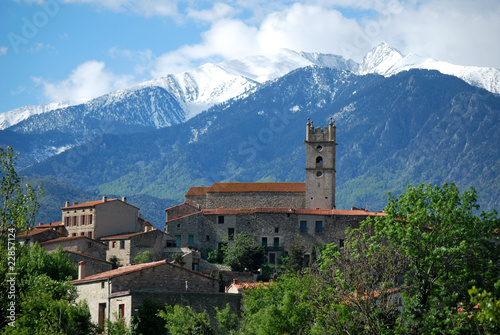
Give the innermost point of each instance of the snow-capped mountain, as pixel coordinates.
(388, 61)
(210, 84)
(17, 115)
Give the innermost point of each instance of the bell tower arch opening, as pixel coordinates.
(320, 165)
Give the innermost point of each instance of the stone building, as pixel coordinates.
(109, 294)
(38, 234)
(273, 213)
(127, 246)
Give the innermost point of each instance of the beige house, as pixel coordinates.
(125, 247)
(106, 217)
(108, 294)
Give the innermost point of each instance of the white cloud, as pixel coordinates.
(3, 50)
(142, 7)
(87, 81)
(217, 12)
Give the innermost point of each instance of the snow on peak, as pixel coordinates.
(17, 115)
(380, 59)
(388, 61)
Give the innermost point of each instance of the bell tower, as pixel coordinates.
(320, 166)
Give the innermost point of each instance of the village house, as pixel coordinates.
(110, 295)
(125, 247)
(38, 234)
(81, 244)
(275, 214)
(106, 217)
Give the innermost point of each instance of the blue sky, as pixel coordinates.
(54, 50)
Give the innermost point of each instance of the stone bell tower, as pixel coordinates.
(320, 166)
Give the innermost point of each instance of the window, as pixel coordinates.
(74, 234)
(74, 221)
(121, 310)
(341, 243)
(66, 221)
(114, 244)
(319, 226)
(276, 230)
(272, 258)
(319, 160)
(276, 243)
(220, 219)
(230, 234)
(89, 234)
(90, 219)
(122, 244)
(264, 242)
(208, 238)
(102, 284)
(178, 225)
(190, 238)
(319, 174)
(83, 220)
(303, 226)
(82, 234)
(178, 240)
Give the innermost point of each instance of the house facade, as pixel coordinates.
(125, 247)
(108, 294)
(105, 217)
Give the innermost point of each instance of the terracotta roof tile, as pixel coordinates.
(133, 268)
(87, 256)
(68, 238)
(94, 203)
(127, 235)
(53, 224)
(256, 187)
(197, 191)
(287, 210)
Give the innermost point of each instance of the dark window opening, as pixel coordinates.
(303, 226)
(319, 160)
(319, 174)
(264, 242)
(276, 230)
(319, 147)
(190, 238)
(319, 226)
(178, 239)
(221, 219)
(276, 243)
(208, 237)
(341, 243)
(230, 234)
(122, 244)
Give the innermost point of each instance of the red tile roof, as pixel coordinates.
(53, 224)
(197, 191)
(68, 238)
(287, 210)
(256, 187)
(130, 269)
(128, 235)
(87, 256)
(94, 203)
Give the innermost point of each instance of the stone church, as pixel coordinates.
(273, 213)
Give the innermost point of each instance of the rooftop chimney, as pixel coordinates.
(75, 203)
(104, 198)
(124, 199)
(66, 204)
(81, 269)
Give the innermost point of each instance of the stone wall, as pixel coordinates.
(199, 301)
(255, 199)
(167, 277)
(208, 233)
(178, 211)
(92, 265)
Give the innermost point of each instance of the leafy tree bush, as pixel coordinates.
(143, 257)
(449, 248)
(185, 321)
(244, 254)
(147, 321)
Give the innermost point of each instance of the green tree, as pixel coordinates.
(45, 299)
(296, 253)
(115, 262)
(449, 248)
(147, 321)
(143, 257)
(18, 203)
(244, 254)
(185, 321)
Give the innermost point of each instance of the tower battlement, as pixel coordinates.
(319, 134)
